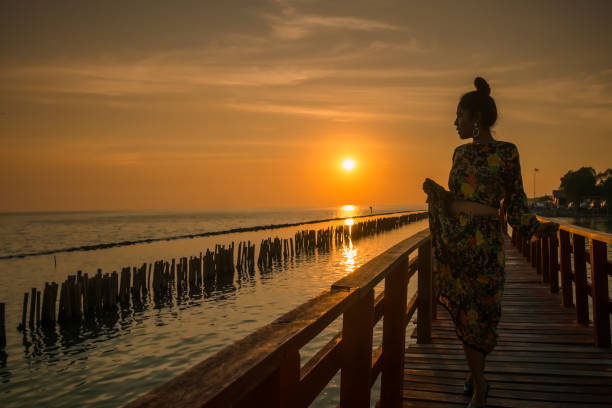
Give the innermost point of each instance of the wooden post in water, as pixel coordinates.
(394, 336)
(54, 302)
(357, 330)
(32, 307)
(37, 308)
(24, 312)
(2, 328)
(600, 294)
(582, 301)
(424, 294)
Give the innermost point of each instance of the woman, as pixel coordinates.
(485, 180)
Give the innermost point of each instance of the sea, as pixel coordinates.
(110, 363)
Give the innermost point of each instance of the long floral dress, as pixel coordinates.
(469, 250)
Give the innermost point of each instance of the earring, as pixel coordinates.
(476, 132)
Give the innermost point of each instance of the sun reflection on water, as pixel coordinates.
(349, 253)
(349, 258)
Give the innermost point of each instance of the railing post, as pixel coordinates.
(544, 259)
(425, 294)
(582, 301)
(526, 250)
(566, 269)
(553, 264)
(532, 253)
(539, 256)
(599, 293)
(289, 378)
(357, 327)
(394, 337)
(280, 388)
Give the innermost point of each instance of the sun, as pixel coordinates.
(348, 164)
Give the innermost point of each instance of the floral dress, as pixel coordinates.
(469, 249)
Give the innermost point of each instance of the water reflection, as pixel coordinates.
(349, 253)
(157, 339)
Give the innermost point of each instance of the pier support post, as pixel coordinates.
(425, 294)
(582, 301)
(289, 374)
(2, 328)
(538, 256)
(357, 327)
(394, 336)
(545, 259)
(566, 269)
(600, 294)
(553, 264)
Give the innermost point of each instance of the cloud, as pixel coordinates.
(292, 24)
(338, 113)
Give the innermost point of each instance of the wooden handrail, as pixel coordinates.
(263, 369)
(553, 256)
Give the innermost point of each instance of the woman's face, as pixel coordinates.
(464, 124)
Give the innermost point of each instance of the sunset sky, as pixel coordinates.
(234, 104)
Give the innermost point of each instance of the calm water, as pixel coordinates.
(110, 364)
(597, 223)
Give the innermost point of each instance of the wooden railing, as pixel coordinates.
(264, 368)
(553, 257)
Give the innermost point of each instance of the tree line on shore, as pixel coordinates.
(586, 182)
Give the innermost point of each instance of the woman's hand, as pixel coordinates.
(437, 195)
(430, 186)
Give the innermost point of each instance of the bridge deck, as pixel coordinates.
(543, 358)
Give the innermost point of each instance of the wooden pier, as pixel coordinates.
(544, 359)
(553, 349)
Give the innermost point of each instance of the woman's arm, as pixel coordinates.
(515, 200)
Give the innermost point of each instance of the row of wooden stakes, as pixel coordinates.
(85, 297)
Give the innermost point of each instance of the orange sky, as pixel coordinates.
(164, 105)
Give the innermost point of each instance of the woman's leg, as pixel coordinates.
(476, 362)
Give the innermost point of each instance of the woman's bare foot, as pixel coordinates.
(480, 393)
(468, 385)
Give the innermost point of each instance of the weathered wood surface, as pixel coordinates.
(543, 358)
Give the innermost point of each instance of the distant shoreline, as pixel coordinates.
(197, 235)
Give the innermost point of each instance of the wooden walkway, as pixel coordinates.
(543, 359)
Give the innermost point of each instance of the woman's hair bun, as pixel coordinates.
(482, 86)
